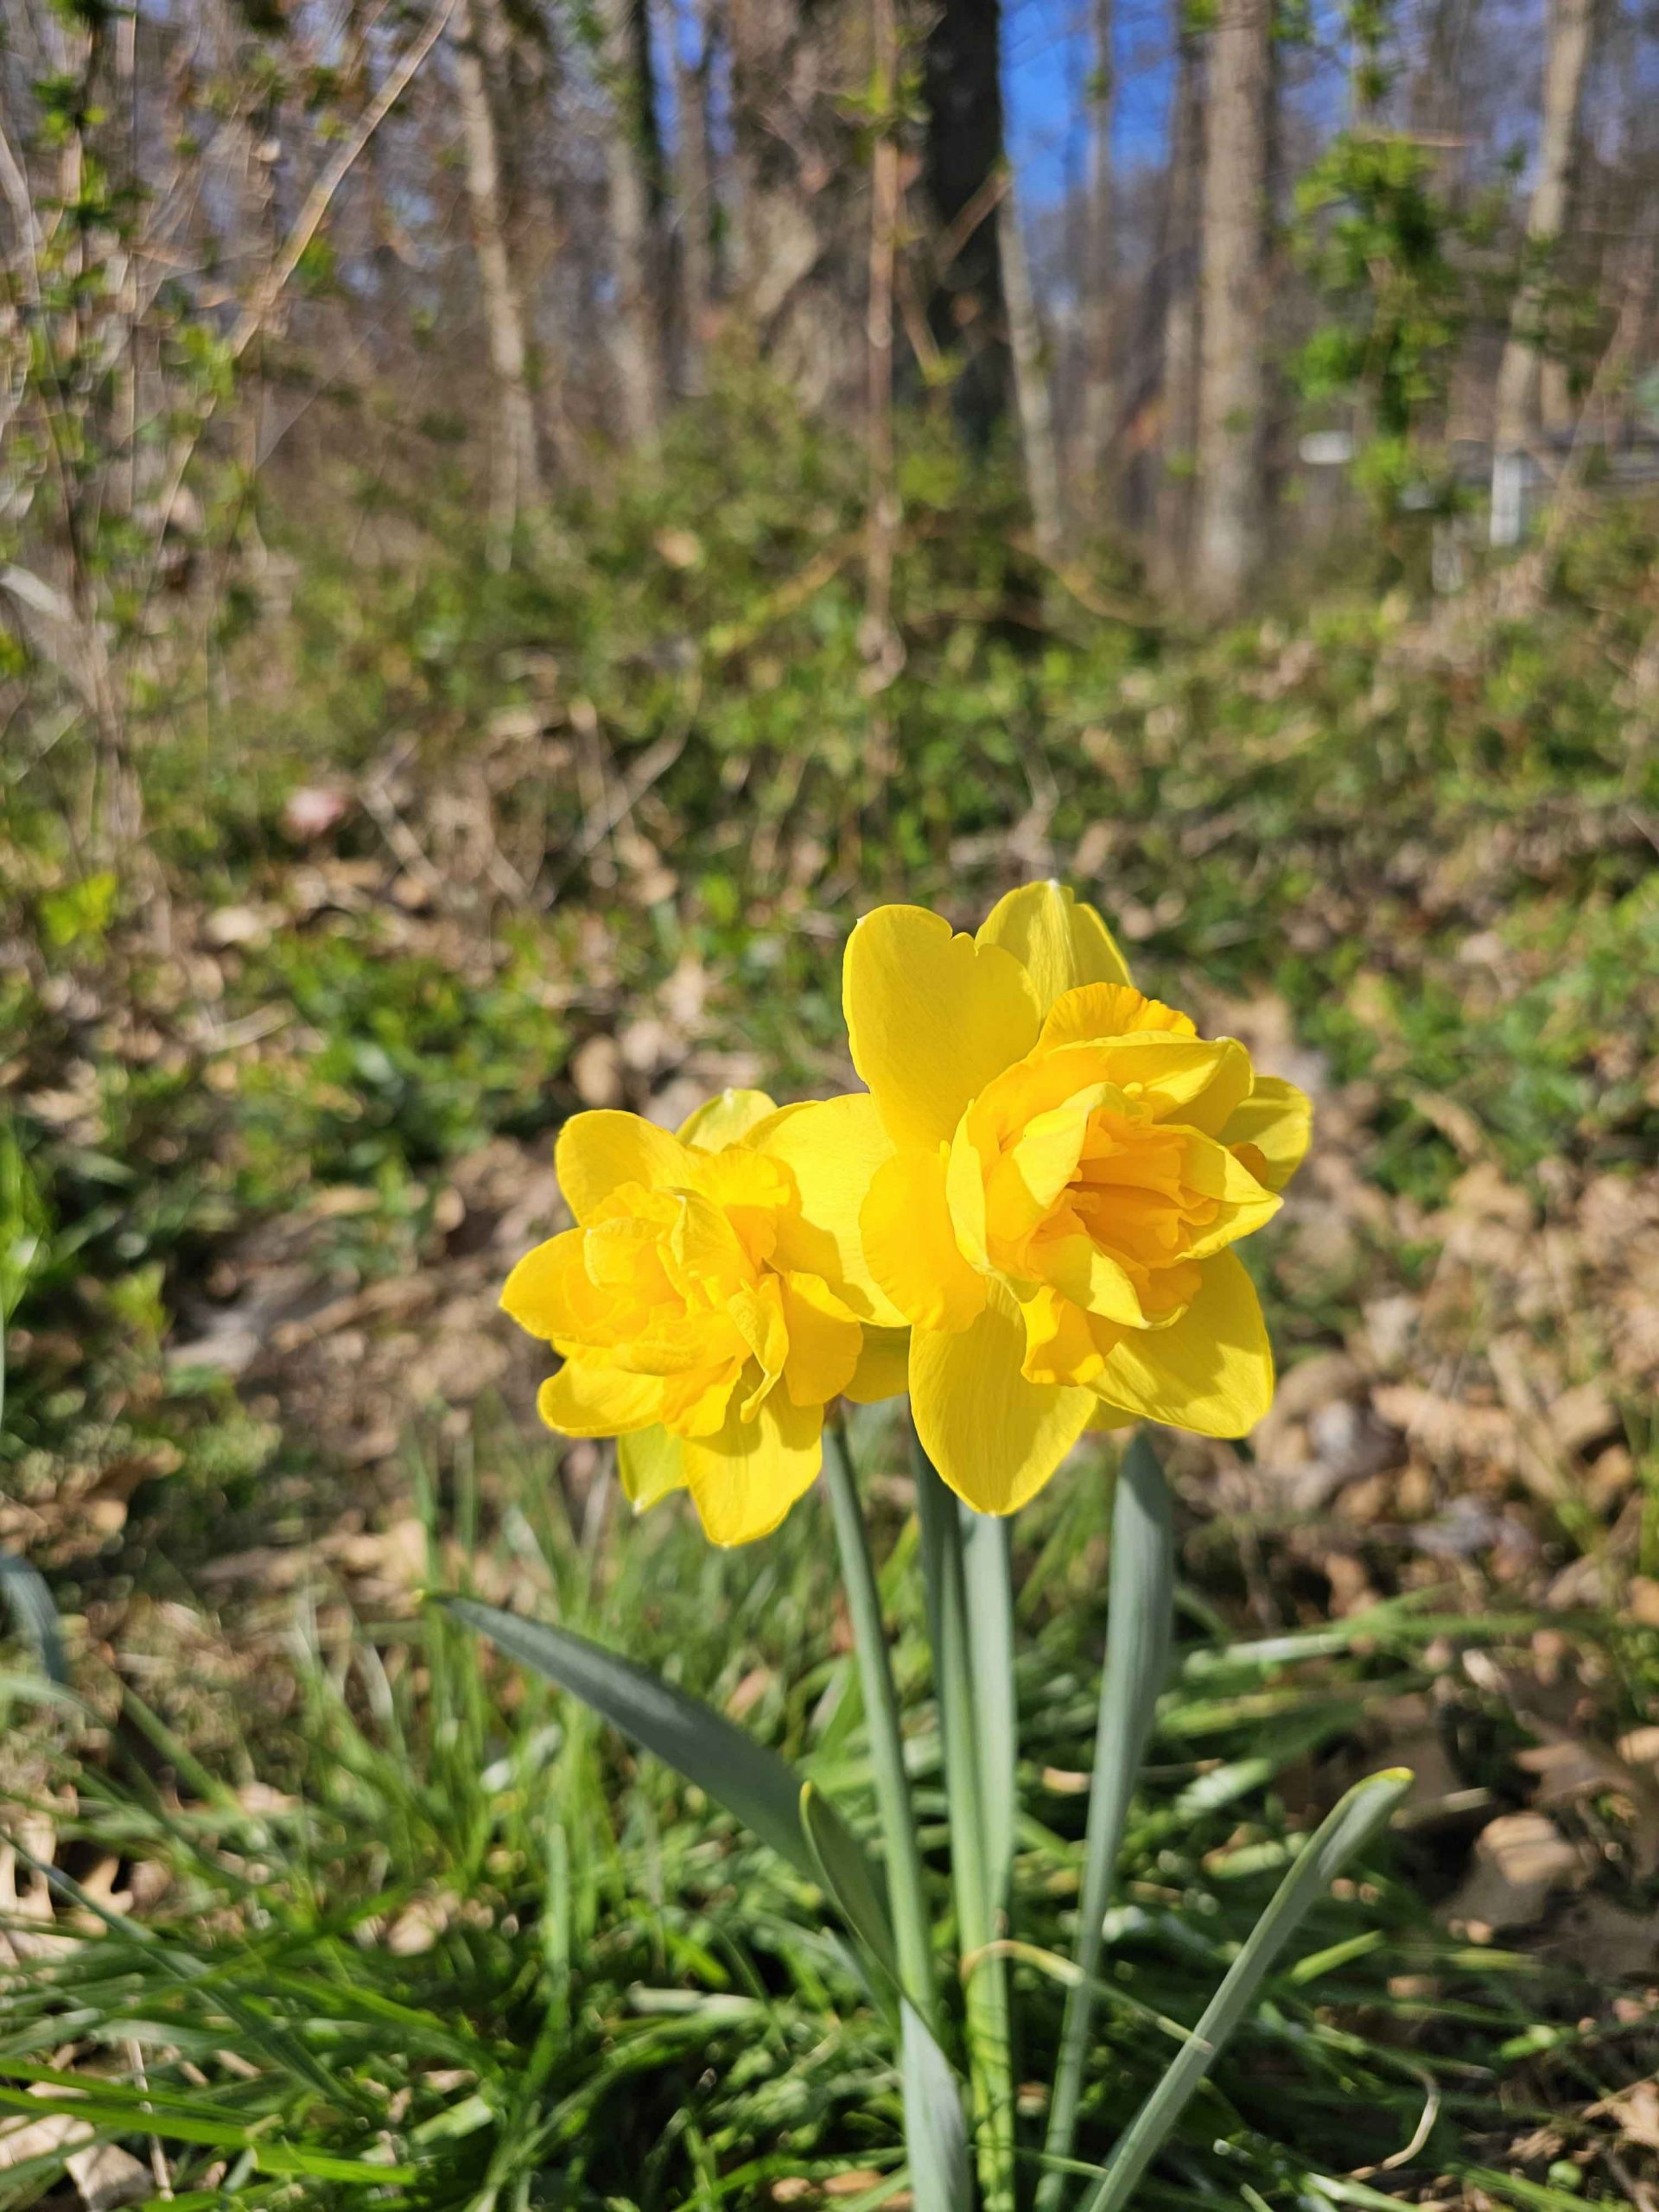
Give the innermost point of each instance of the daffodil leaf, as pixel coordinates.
(1138, 1627)
(763, 1790)
(23, 1591)
(936, 2128)
(936, 2125)
(848, 1875)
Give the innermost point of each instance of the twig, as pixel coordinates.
(309, 220)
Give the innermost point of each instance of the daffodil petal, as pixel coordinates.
(1199, 1080)
(652, 1463)
(584, 1401)
(1057, 939)
(1060, 1346)
(883, 1369)
(1277, 1120)
(932, 1017)
(745, 1477)
(825, 1341)
(1105, 1417)
(911, 1246)
(1211, 1371)
(598, 1151)
(1246, 1203)
(995, 1437)
(832, 1147)
(535, 1294)
(725, 1119)
(1095, 1010)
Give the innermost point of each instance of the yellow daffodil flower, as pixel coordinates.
(1067, 1164)
(704, 1310)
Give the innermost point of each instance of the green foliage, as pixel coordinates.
(1385, 252)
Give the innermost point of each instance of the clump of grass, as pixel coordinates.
(435, 1934)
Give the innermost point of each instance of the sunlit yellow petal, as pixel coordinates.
(702, 1253)
(652, 1463)
(1047, 1149)
(536, 1294)
(832, 1147)
(595, 1152)
(1200, 1081)
(1211, 1371)
(1057, 939)
(584, 1401)
(757, 1316)
(883, 1369)
(1245, 1203)
(1095, 1010)
(1105, 1417)
(1091, 1279)
(995, 1437)
(1060, 1347)
(725, 1119)
(825, 1341)
(910, 1246)
(1277, 1119)
(744, 1479)
(931, 1017)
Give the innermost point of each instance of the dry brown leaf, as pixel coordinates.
(1521, 1861)
(106, 2176)
(596, 1071)
(1604, 1942)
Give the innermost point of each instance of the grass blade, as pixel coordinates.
(1138, 1627)
(1346, 1830)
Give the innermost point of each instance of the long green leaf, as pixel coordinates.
(936, 2127)
(987, 1577)
(986, 1993)
(36, 1614)
(1138, 1626)
(907, 1888)
(846, 1874)
(1344, 1831)
(761, 1788)
(936, 2130)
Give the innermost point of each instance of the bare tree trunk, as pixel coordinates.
(1031, 386)
(1179, 385)
(694, 182)
(880, 643)
(962, 161)
(1520, 373)
(1100, 395)
(515, 459)
(632, 154)
(803, 225)
(1232, 380)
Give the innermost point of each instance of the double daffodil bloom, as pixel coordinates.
(1068, 1164)
(705, 1308)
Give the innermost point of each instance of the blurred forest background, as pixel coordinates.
(517, 521)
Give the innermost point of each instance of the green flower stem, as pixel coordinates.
(984, 1970)
(906, 1896)
(1138, 1627)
